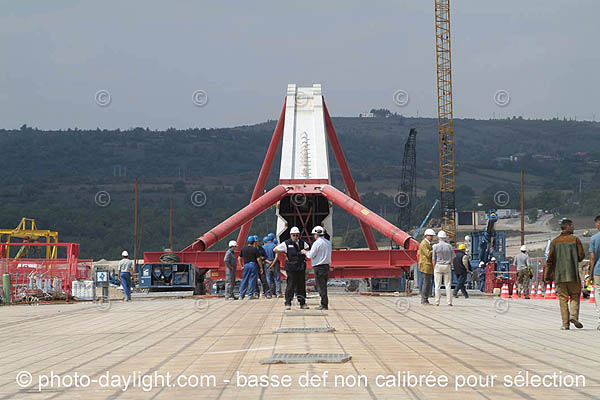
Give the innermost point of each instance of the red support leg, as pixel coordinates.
(265, 170)
(369, 218)
(341, 160)
(238, 219)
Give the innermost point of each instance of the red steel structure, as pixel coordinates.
(345, 263)
(67, 269)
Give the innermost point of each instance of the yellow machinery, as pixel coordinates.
(445, 117)
(27, 230)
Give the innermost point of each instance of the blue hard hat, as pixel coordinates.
(256, 238)
(250, 239)
(266, 239)
(271, 236)
(275, 241)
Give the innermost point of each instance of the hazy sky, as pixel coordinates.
(152, 55)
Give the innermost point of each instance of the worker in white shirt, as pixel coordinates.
(295, 267)
(320, 258)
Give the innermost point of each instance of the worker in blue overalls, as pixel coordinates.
(482, 276)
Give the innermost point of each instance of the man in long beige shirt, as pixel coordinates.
(426, 265)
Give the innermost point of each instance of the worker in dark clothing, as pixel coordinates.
(295, 267)
(251, 261)
(262, 276)
(562, 267)
(461, 267)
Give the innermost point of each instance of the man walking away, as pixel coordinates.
(566, 251)
(595, 265)
(295, 267)
(125, 269)
(523, 272)
(230, 270)
(426, 265)
(272, 267)
(442, 257)
(320, 258)
(250, 260)
(461, 266)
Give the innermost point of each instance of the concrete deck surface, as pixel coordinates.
(386, 336)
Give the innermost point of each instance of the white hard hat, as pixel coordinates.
(442, 234)
(232, 243)
(429, 232)
(125, 253)
(493, 258)
(481, 263)
(523, 248)
(318, 230)
(294, 230)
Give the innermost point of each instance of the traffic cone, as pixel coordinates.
(504, 294)
(593, 296)
(515, 295)
(553, 293)
(581, 298)
(539, 295)
(548, 292)
(532, 291)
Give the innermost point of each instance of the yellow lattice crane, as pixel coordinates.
(27, 230)
(445, 117)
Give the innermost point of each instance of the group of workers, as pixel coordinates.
(261, 263)
(436, 262)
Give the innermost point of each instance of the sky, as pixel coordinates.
(128, 63)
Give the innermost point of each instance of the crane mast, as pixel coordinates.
(445, 117)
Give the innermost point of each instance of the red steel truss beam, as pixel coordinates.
(238, 219)
(265, 170)
(348, 181)
(369, 218)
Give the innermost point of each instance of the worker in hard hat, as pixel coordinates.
(125, 273)
(442, 256)
(251, 261)
(523, 272)
(271, 266)
(461, 268)
(482, 273)
(320, 258)
(230, 270)
(426, 265)
(562, 267)
(295, 267)
(262, 276)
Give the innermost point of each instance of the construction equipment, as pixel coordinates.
(435, 203)
(407, 193)
(171, 277)
(445, 117)
(29, 233)
(305, 197)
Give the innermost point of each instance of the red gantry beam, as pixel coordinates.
(370, 218)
